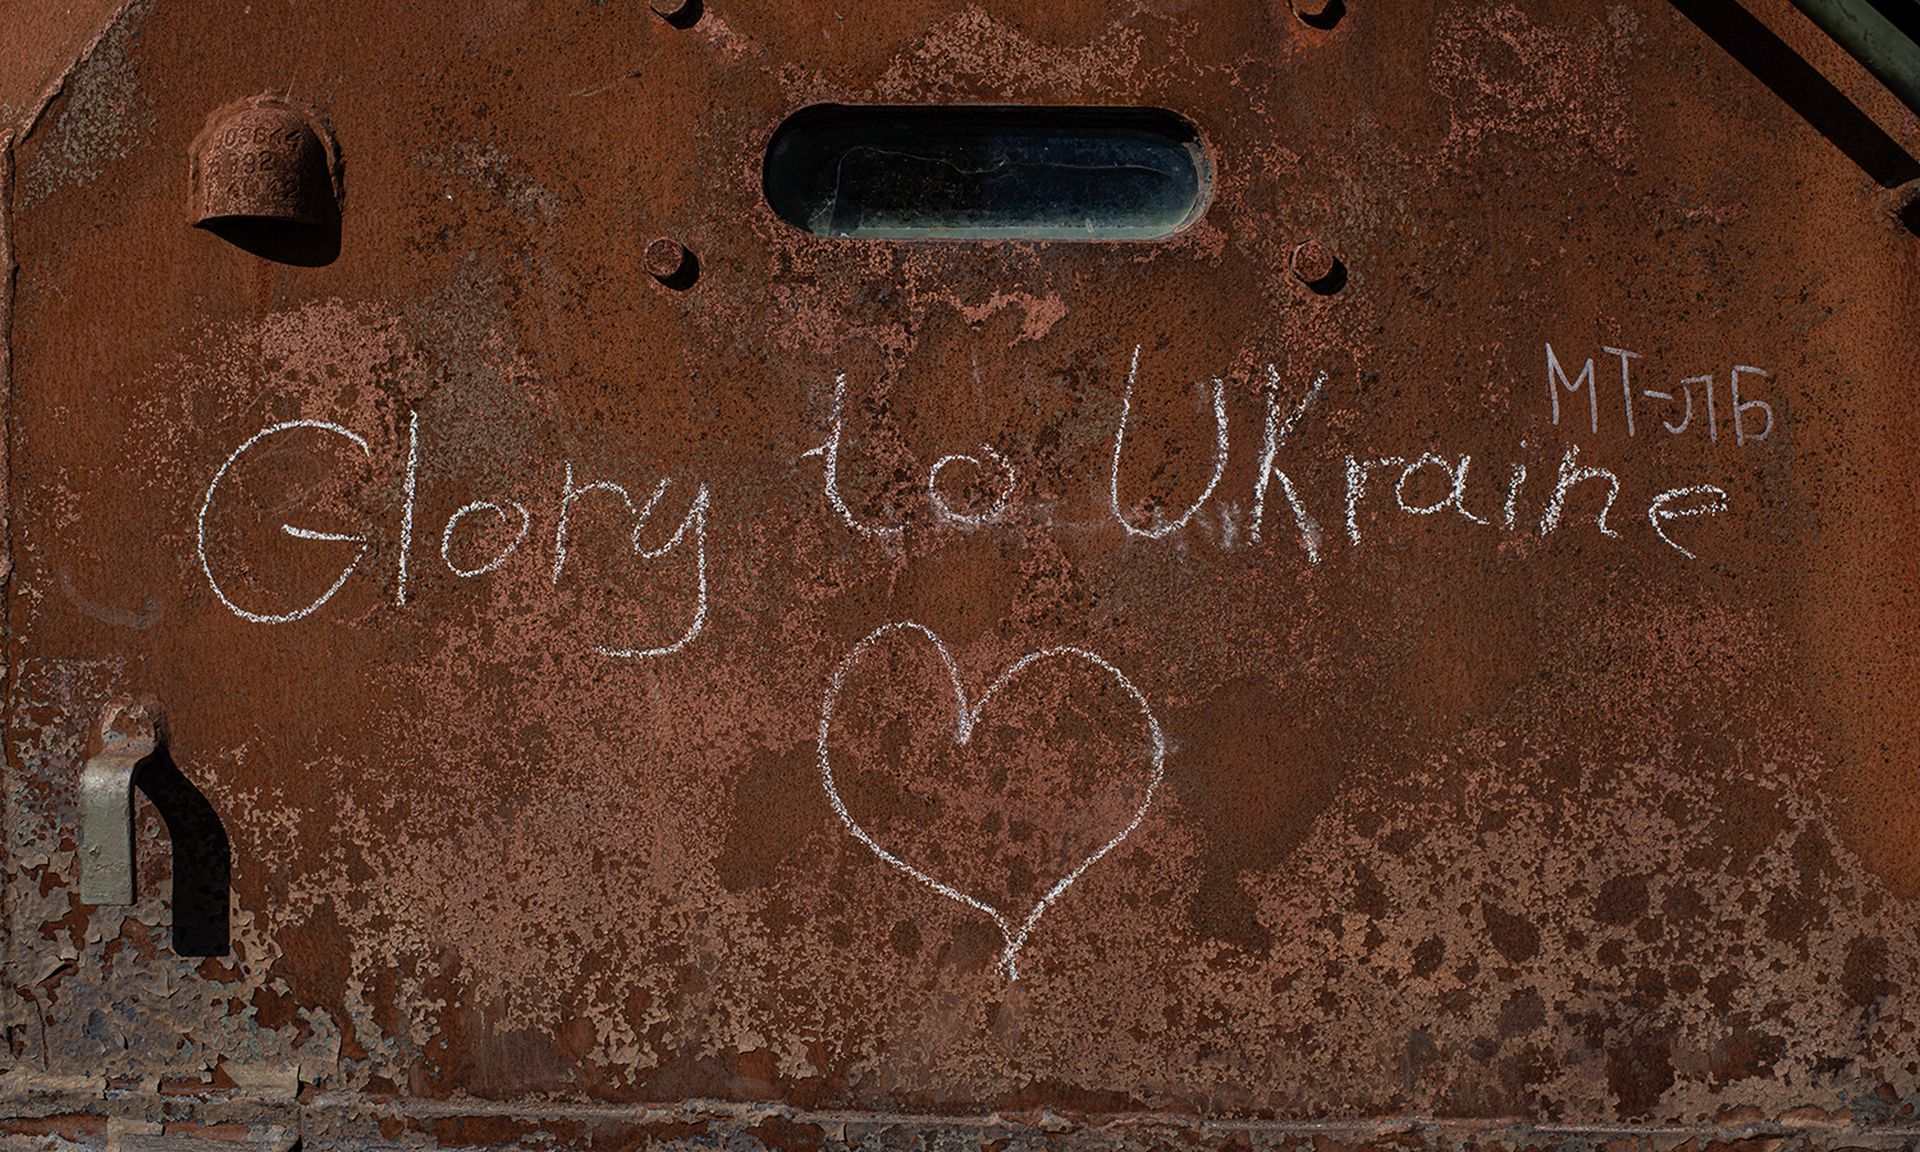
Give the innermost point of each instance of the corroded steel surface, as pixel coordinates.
(43, 39)
(1286, 734)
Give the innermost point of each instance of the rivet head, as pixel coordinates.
(1313, 263)
(264, 158)
(669, 262)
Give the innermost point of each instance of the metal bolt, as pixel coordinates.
(668, 260)
(1319, 13)
(1313, 262)
(679, 13)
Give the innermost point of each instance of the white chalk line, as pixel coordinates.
(1276, 434)
(1572, 472)
(696, 519)
(831, 450)
(1357, 471)
(406, 515)
(446, 537)
(206, 506)
(1456, 496)
(568, 494)
(1658, 511)
(1119, 441)
(966, 719)
(977, 520)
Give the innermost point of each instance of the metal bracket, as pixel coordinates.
(128, 734)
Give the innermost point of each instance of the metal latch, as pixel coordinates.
(128, 750)
(128, 735)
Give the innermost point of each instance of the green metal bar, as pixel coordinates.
(1873, 40)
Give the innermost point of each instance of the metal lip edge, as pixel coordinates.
(1048, 1120)
(37, 1094)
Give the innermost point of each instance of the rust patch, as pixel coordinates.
(1532, 777)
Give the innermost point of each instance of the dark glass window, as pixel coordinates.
(987, 172)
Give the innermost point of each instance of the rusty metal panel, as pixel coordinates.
(1423, 655)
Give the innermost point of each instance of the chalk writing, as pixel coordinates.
(1714, 503)
(1276, 434)
(943, 511)
(966, 719)
(410, 486)
(206, 506)
(1423, 483)
(500, 557)
(1572, 472)
(1456, 497)
(1584, 380)
(830, 449)
(1119, 444)
(696, 520)
(1453, 470)
(1516, 476)
(1008, 478)
(690, 533)
(1740, 408)
(1558, 382)
(1357, 472)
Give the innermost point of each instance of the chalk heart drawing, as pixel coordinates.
(966, 722)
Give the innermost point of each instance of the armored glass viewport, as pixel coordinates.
(987, 172)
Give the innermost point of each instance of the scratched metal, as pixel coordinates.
(1468, 823)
